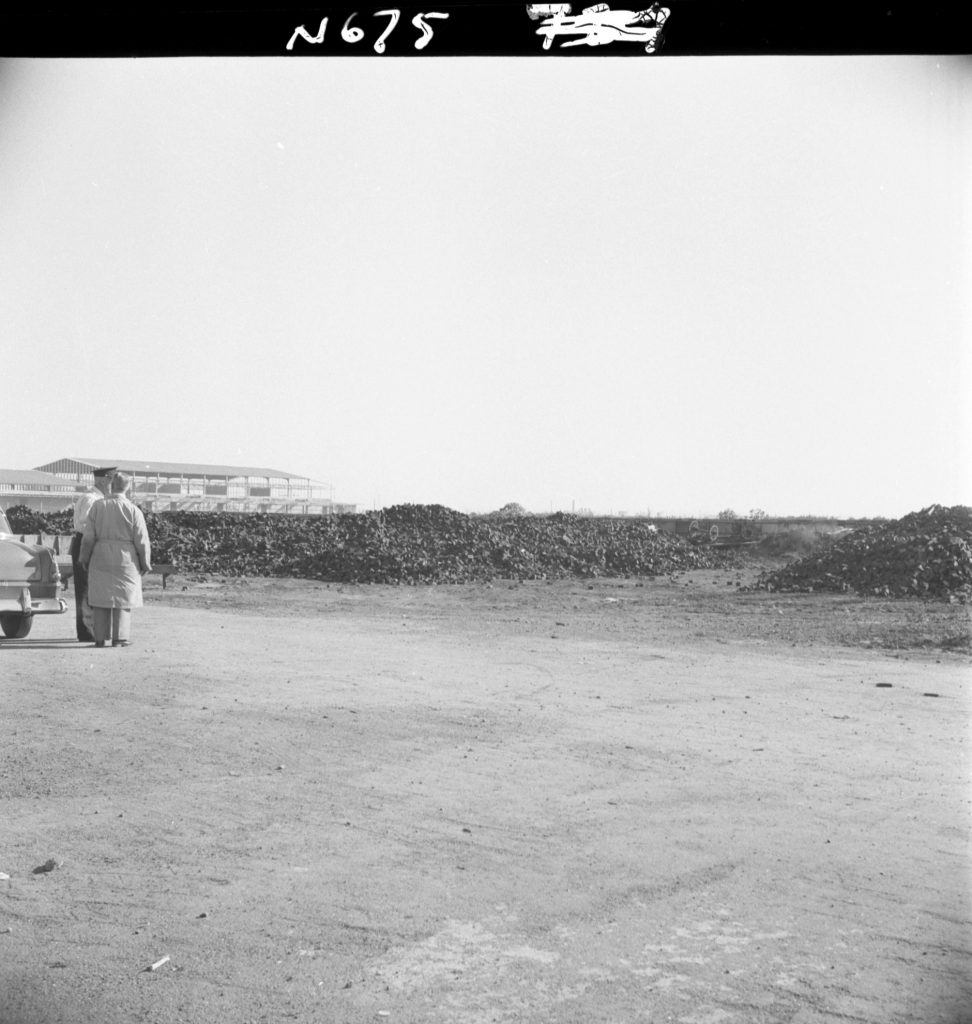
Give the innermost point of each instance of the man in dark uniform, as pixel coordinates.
(102, 484)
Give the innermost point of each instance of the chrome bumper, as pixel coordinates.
(23, 604)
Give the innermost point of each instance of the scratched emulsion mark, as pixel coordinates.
(599, 25)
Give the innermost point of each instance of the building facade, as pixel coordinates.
(43, 492)
(177, 486)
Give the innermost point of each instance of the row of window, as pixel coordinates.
(35, 488)
(304, 508)
(193, 488)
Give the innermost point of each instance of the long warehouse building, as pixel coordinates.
(42, 492)
(179, 486)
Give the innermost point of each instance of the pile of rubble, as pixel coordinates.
(420, 544)
(411, 544)
(924, 554)
(25, 520)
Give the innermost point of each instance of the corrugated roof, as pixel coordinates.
(34, 477)
(184, 468)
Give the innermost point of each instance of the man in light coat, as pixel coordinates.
(117, 553)
(82, 509)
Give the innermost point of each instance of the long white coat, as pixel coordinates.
(117, 543)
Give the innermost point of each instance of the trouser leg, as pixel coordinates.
(87, 612)
(102, 624)
(121, 625)
(84, 619)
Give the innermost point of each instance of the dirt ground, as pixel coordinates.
(616, 801)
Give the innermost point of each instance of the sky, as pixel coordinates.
(656, 285)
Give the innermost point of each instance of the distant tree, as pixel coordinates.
(757, 513)
(511, 510)
(727, 513)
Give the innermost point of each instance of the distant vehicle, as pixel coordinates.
(30, 583)
(722, 532)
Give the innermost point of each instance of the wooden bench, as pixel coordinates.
(163, 569)
(61, 543)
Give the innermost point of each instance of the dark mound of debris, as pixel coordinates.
(24, 520)
(408, 544)
(421, 544)
(924, 554)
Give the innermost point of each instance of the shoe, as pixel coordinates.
(121, 643)
(99, 643)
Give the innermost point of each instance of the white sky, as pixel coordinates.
(676, 284)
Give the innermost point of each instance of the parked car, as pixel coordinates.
(30, 583)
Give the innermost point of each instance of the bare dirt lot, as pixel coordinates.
(616, 801)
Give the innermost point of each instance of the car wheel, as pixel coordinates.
(16, 625)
